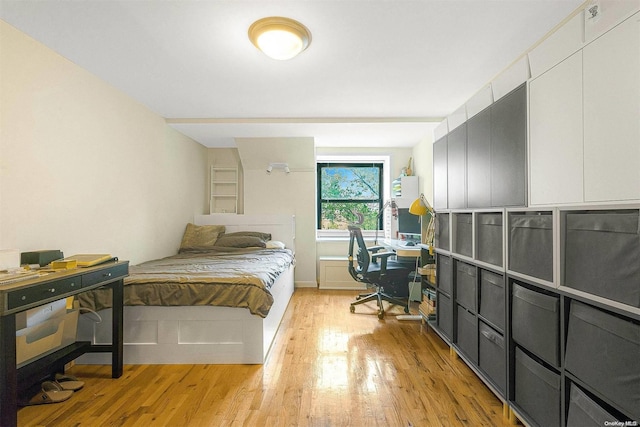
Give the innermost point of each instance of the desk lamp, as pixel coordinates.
(421, 207)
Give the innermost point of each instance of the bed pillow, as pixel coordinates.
(264, 236)
(275, 244)
(235, 241)
(200, 237)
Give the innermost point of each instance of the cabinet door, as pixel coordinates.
(440, 173)
(555, 134)
(479, 160)
(457, 167)
(508, 149)
(611, 114)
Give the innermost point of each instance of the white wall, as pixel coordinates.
(279, 192)
(83, 167)
(423, 166)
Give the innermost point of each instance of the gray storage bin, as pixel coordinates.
(464, 234)
(467, 334)
(444, 314)
(466, 285)
(444, 276)
(536, 323)
(531, 245)
(492, 357)
(602, 253)
(492, 300)
(537, 390)
(489, 238)
(441, 235)
(603, 351)
(585, 412)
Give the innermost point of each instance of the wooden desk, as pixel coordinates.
(401, 249)
(21, 296)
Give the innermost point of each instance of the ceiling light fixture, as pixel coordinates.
(279, 38)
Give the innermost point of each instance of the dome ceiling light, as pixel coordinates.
(279, 38)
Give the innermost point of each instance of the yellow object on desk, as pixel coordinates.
(88, 260)
(64, 264)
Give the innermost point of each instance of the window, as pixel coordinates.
(348, 193)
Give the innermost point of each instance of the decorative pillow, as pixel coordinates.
(200, 237)
(235, 241)
(275, 244)
(260, 234)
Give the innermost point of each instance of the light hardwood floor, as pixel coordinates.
(327, 367)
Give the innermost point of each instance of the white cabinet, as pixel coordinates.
(612, 114)
(224, 190)
(584, 123)
(405, 190)
(555, 134)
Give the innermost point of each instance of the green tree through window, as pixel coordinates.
(348, 191)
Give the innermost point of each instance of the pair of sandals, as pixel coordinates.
(56, 391)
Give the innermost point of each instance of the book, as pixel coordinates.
(88, 260)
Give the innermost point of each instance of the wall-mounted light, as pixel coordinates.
(283, 166)
(278, 37)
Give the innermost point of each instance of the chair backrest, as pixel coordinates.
(358, 248)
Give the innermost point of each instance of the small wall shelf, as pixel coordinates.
(224, 189)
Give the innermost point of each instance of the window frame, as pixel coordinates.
(382, 160)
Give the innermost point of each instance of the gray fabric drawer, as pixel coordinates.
(489, 231)
(466, 285)
(441, 235)
(536, 323)
(464, 235)
(444, 276)
(537, 390)
(467, 334)
(602, 254)
(585, 412)
(603, 350)
(492, 301)
(492, 356)
(444, 317)
(531, 245)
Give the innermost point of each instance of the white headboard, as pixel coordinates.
(281, 227)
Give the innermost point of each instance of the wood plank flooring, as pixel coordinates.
(327, 367)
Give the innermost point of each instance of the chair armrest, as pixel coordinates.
(375, 249)
(383, 255)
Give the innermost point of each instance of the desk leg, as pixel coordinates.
(117, 329)
(8, 374)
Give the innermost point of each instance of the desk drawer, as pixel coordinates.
(41, 293)
(106, 275)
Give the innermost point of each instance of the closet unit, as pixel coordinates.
(537, 239)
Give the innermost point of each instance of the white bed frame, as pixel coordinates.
(200, 334)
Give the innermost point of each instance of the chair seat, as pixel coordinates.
(394, 269)
(392, 286)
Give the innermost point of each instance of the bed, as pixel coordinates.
(181, 326)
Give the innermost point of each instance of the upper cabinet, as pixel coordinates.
(457, 167)
(584, 123)
(479, 160)
(508, 149)
(482, 162)
(555, 134)
(612, 114)
(440, 173)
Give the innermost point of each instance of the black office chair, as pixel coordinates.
(389, 278)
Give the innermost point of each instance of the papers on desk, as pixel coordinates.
(16, 275)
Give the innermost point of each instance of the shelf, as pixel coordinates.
(224, 189)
